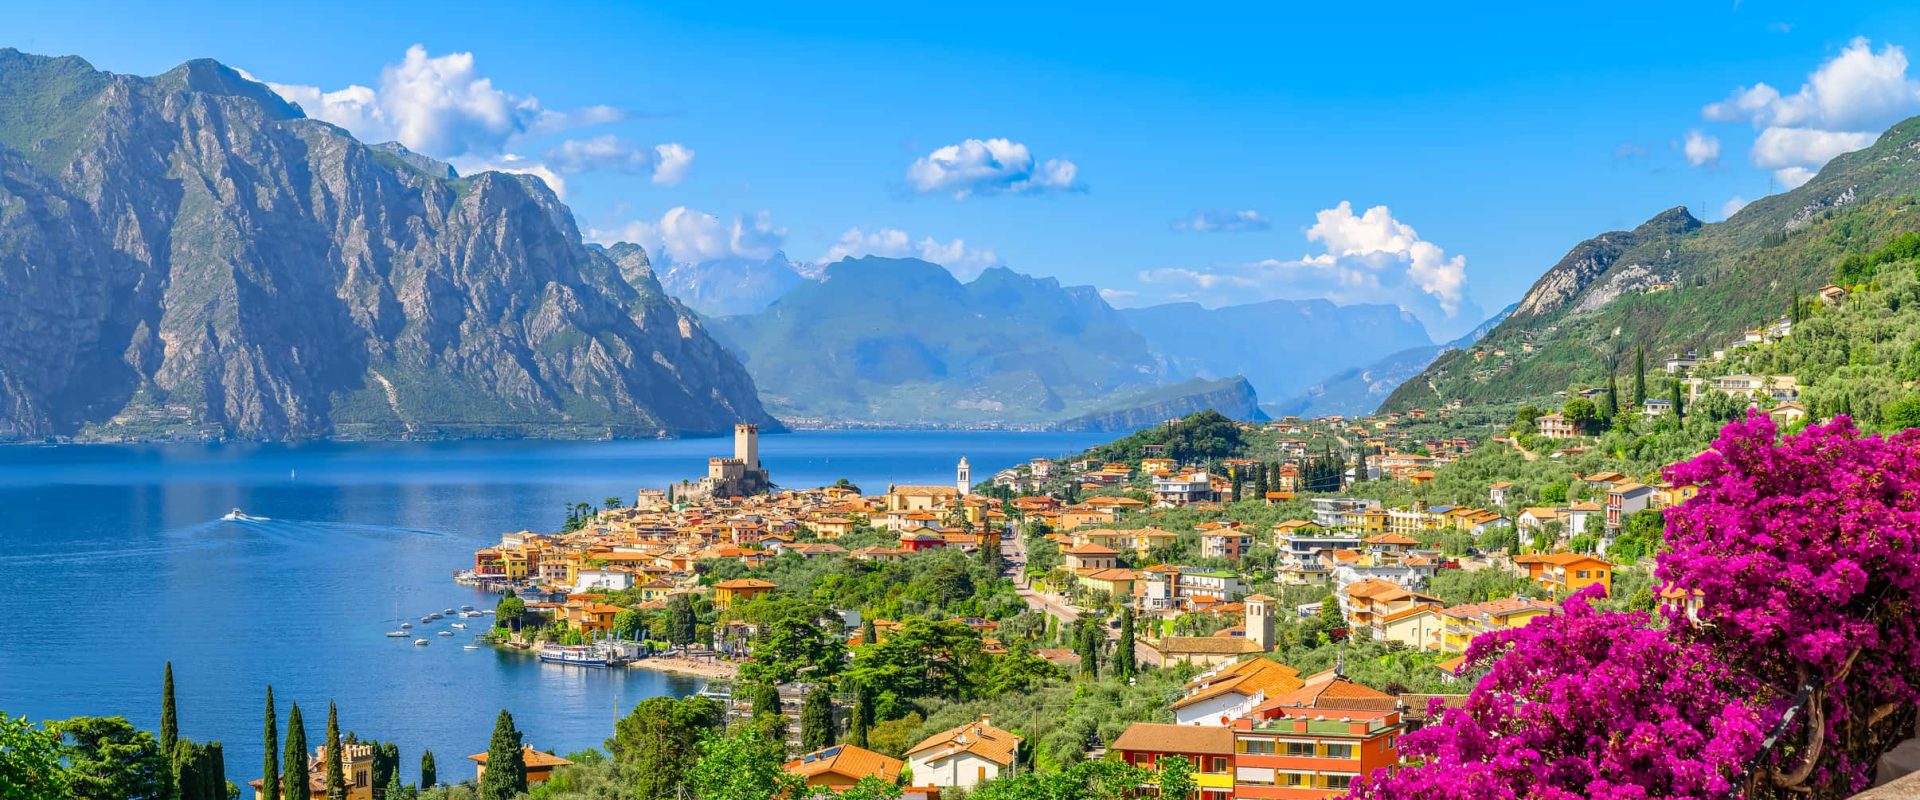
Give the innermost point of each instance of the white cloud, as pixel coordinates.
(1793, 177)
(671, 162)
(668, 162)
(1369, 257)
(1218, 221)
(963, 261)
(990, 166)
(443, 107)
(690, 236)
(1784, 147)
(1840, 108)
(1732, 206)
(1702, 149)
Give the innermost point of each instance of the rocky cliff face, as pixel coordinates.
(1592, 258)
(189, 255)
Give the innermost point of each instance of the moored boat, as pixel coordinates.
(396, 634)
(420, 642)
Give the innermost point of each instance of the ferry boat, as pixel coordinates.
(582, 655)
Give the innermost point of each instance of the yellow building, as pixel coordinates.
(356, 762)
(1462, 624)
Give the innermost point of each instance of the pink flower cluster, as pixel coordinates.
(1803, 557)
(1589, 704)
(1804, 551)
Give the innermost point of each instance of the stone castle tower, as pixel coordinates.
(746, 445)
(963, 479)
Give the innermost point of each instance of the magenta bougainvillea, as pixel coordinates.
(1588, 704)
(1802, 559)
(1805, 554)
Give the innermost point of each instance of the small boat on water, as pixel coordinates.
(471, 647)
(446, 633)
(466, 608)
(405, 625)
(396, 634)
(428, 619)
(447, 612)
(420, 643)
(460, 625)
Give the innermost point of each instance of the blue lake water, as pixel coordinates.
(113, 559)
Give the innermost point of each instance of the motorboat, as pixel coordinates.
(420, 643)
(406, 625)
(428, 619)
(471, 647)
(466, 608)
(460, 625)
(446, 633)
(396, 634)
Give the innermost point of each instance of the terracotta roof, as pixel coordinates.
(1159, 737)
(535, 759)
(979, 738)
(1205, 645)
(744, 583)
(849, 760)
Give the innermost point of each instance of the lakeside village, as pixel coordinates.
(1405, 605)
(1154, 555)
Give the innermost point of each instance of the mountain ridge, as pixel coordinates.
(189, 256)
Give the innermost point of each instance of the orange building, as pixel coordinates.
(1311, 753)
(540, 766)
(1566, 573)
(839, 767)
(728, 592)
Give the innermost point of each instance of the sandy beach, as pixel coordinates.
(711, 669)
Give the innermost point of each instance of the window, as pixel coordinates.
(1256, 746)
(1338, 781)
(1217, 764)
(1341, 751)
(1304, 749)
(1296, 779)
(360, 779)
(1143, 760)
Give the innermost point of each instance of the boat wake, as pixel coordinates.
(237, 515)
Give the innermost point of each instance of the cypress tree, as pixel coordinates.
(1639, 376)
(184, 766)
(336, 772)
(506, 773)
(270, 764)
(386, 764)
(427, 772)
(395, 790)
(214, 772)
(293, 767)
(1123, 664)
(868, 633)
(1612, 408)
(816, 720)
(169, 724)
(1679, 413)
(861, 719)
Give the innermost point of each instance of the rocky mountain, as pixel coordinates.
(1358, 391)
(1233, 397)
(189, 255)
(1674, 283)
(1281, 346)
(731, 286)
(901, 341)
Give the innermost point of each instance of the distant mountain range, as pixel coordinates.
(1675, 283)
(1360, 391)
(731, 286)
(1281, 346)
(188, 255)
(903, 342)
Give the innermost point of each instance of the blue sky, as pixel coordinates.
(1194, 152)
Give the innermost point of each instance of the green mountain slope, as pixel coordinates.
(1674, 284)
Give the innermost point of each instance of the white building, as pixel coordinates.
(965, 756)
